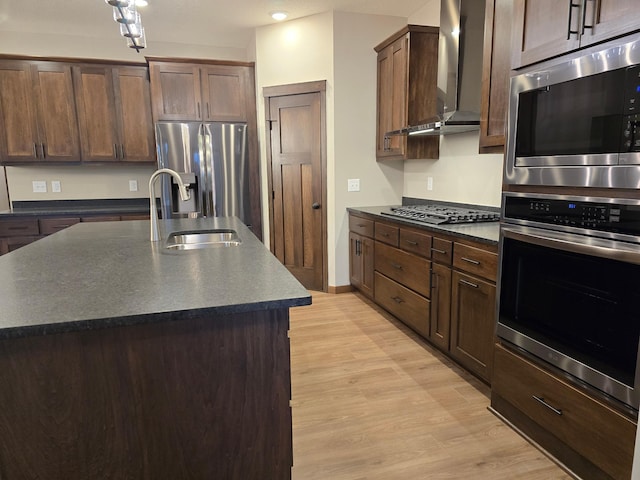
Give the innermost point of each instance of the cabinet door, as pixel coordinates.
(96, 113)
(355, 260)
(495, 75)
(133, 112)
(440, 305)
(609, 18)
(56, 112)
(541, 30)
(175, 91)
(366, 249)
(392, 98)
(18, 126)
(472, 323)
(224, 91)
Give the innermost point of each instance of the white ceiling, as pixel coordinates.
(224, 23)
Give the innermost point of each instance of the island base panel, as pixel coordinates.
(193, 398)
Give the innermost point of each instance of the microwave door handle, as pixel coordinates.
(609, 249)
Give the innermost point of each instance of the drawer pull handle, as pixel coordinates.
(411, 242)
(19, 227)
(360, 225)
(397, 299)
(462, 280)
(397, 266)
(557, 411)
(384, 234)
(438, 251)
(470, 260)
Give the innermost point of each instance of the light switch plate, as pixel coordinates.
(353, 185)
(429, 183)
(133, 185)
(39, 186)
(55, 186)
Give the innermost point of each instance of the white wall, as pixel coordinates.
(355, 71)
(338, 48)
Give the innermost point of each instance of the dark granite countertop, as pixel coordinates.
(77, 207)
(484, 232)
(97, 275)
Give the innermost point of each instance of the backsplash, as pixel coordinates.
(460, 175)
(78, 182)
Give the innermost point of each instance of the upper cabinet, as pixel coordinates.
(407, 73)
(547, 28)
(495, 75)
(206, 92)
(114, 113)
(37, 112)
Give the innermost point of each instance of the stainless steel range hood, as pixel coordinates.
(460, 51)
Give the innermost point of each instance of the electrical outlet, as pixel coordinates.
(353, 185)
(55, 186)
(133, 185)
(39, 186)
(429, 183)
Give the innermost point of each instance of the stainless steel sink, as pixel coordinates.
(194, 239)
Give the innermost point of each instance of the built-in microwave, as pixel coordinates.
(575, 121)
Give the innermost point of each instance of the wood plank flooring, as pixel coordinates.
(372, 401)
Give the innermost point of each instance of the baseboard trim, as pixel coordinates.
(340, 289)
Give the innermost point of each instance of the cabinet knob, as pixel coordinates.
(315, 206)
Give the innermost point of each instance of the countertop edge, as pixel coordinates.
(126, 321)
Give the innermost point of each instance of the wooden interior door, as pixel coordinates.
(297, 227)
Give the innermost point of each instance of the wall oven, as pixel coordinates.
(569, 285)
(575, 121)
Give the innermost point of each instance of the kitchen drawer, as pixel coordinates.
(387, 233)
(408, 306)
(145, 216)
(595, 431)
(406, 268)
(441, 250)
(476, 261)
(19, 226)
(14, 243)
(415, 242)
(361, 226)
(53, 225)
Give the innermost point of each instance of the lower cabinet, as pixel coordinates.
(16, 232)
(582, 432)
(472, 323)
(440, 286)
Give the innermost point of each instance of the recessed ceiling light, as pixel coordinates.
(279, 15)
(141, 3)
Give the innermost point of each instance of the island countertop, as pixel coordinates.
(97, 275)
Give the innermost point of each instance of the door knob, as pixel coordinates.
(315, 206)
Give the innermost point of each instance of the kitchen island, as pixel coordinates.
(120, 359)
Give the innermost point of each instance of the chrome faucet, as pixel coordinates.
(153, 209)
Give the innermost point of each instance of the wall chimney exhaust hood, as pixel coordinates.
(459, 77)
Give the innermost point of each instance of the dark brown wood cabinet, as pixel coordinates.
(406, 92)
(582, 432)
(37, 113)
(441, 286)
(496, 68)
(547, 28)
(114, 113)
(206, 92)
(361, 251)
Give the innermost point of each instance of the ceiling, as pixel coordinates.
(223, 23)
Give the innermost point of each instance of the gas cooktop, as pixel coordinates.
(439, 214)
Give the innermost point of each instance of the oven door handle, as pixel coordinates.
(569, 242)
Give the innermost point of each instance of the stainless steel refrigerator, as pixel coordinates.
(212, 157)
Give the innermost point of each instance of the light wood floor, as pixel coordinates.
(371, 401)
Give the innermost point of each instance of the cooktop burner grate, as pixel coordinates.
(438, 214)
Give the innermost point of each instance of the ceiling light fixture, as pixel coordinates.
(126, 14)
(141, 3)
(279, 15)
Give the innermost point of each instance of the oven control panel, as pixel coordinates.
(618, 217)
